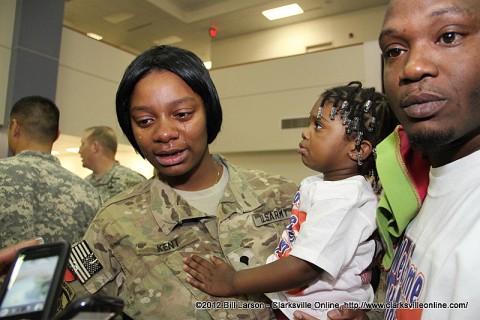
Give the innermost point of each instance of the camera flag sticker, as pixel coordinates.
(83, 262)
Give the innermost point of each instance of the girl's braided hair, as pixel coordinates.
(366, 115)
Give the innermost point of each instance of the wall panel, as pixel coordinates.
(256, 97)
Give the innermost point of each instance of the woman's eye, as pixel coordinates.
(143, 122)
(317, 125)
(183, 116)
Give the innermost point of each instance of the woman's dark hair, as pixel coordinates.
(184, 64)
(366, 115)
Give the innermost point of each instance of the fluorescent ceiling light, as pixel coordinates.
(94, 36)
(208, 64)
(283, 12)
(168, 40)
(54, 152)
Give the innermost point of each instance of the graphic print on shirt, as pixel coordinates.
(290, 234)
(405, 283)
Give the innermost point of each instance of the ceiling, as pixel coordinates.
(136, 25)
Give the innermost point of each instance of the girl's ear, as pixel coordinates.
(365, 149)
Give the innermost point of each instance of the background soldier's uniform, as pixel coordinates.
(40, 198)
(115, 180)
(141, 236)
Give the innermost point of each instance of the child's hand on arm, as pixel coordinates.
(220, 279)
(215, 278)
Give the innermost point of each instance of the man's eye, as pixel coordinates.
(317, 126)
(449, 37)
(392, 53)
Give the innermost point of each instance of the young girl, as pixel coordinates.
(320, 261)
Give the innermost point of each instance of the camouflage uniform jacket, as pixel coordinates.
(141, 236)
(40, 198)
(115, 180)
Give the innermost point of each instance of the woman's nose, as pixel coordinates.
(165, 131)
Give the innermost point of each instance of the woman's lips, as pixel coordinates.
(171, 158)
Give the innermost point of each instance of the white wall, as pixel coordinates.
(256, 97)
(88, 77)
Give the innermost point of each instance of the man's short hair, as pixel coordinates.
(104, 135)
(38, 116)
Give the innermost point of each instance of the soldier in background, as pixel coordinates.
(109, 177)
(39, 197)
(198, 202)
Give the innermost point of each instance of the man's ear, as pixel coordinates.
(96, 146)
(366, 149)
(15, 128)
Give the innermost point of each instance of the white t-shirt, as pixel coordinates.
(207, 200)
(439, 257)
(339, 217)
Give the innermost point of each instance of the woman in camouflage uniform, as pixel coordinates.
(168, 108)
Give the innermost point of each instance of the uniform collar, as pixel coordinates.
(170, 209)
(33, 153)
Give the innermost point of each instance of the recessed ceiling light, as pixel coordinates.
(118, 17)
(208, 64)
(94, 36)
(283, 12)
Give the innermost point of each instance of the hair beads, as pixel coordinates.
(365, 115)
